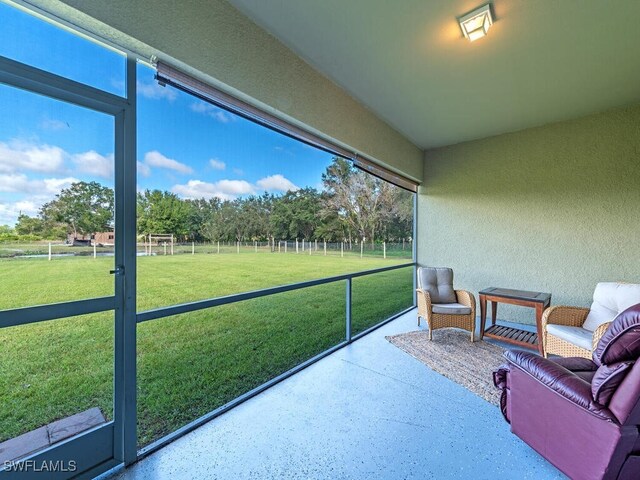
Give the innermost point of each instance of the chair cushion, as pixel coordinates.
(607, 379)
(621, 341)
(575, 335)
(450, 309)
(609, 299)
(438, 282)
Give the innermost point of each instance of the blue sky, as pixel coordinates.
(185, 145)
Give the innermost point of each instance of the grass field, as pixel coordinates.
(188, 364)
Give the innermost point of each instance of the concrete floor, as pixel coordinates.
(368, 411)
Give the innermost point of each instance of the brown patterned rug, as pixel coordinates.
(451, 354)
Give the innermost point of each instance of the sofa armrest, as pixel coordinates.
(561, 381)
(562, 315)
(424, 303)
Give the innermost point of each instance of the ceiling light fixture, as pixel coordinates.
(475, 24)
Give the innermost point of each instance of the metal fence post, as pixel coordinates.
(414, 247)
(348, 312)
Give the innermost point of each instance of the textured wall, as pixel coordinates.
(554, 208)
(217, 40)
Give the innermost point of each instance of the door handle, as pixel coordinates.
(119, 271)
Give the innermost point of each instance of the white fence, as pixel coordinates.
(289, 247)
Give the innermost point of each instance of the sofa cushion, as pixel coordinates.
(607, 379)
(438, 282)
(576, 335)
(609, 299)
(450, 309)
(621, 341)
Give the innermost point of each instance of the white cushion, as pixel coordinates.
(627, 295)
(575, 335)
(450, 308)
(609, 299)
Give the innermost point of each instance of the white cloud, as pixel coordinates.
(156, 159)
(235, 187)
(20, 183)
(276, 183)
(143, 169)
(224, 189)
(32, 174)
(10, 183)
(231, 189)
(217, 164)
(18, 155)
(9, 212)
(238, 171)
(93, 163)
(27, 207)
(54, 185)
(154, 91)
(212, 111)
(54, 125)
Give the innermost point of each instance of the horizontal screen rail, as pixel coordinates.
(239, 297)
(41, 82)
(41, 313)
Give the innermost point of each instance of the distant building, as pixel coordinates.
(98, 239)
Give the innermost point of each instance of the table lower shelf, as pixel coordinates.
(513, 335)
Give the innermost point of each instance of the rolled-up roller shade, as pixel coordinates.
(385, 174)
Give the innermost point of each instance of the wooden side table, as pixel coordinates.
(537, 300)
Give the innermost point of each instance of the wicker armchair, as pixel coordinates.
(453, 308)
(570, 317)
(574, 331)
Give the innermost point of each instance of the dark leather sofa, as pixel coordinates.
(582, 415)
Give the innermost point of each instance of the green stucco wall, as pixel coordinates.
(213, 40)
(554, 208)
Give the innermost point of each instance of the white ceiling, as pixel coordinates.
(543, 60)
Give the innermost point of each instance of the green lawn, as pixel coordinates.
(188, 364)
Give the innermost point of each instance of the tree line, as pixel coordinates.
(352, 205)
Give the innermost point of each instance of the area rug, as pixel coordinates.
(452, 354)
